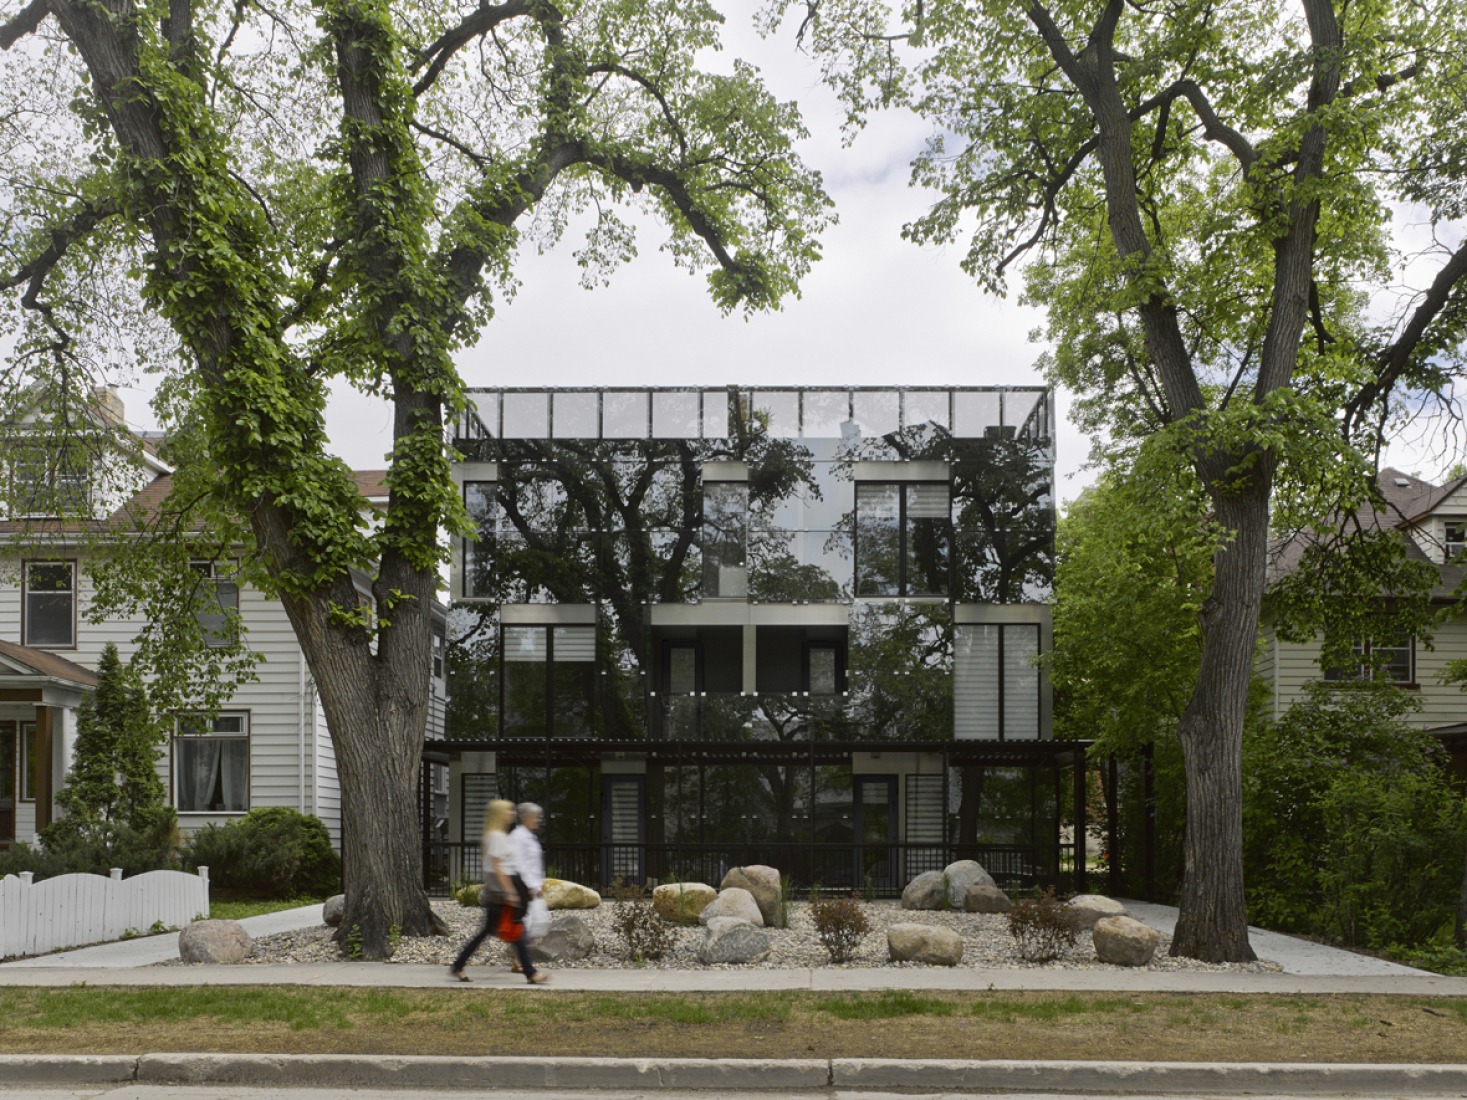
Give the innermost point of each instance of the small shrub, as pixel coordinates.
(644, 934)
(467, 895)
(1042, 927)
(841, 926)
(271, 852)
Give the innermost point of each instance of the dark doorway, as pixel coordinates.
(623, 835)
(876, 832)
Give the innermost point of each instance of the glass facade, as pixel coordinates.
(735, 593)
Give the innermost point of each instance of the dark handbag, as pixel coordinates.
(491, 894)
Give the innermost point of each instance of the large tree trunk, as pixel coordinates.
(1213, 924)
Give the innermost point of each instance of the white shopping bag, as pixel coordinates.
(537, 919)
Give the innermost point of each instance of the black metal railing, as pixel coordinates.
(877, 870)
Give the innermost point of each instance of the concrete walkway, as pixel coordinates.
(1306, 968)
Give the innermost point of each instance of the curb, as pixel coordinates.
(724, 1075)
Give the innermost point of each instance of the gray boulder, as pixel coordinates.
(566, 940)
(961, 875)
(926, 891)
(334, 910)
(1086, 909)
(763, 883)
(730, 940)
(1124, 941)
(986, 899)
(214, 941)
(924, 943)
(733, 902)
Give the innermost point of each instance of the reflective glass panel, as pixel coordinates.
(974, 414)
(925, 407)
(624, 414)
(682, 669)
(927, 541)
(576, 416)
(877, 413)
(1019, 407)
(674, 415)
(716, 414)
(486, 405)
(526, 415)
(826, 415)
(823, 675)
(779, 410)
(878, 540)
(725, 519)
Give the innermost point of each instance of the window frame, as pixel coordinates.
(838, 648)
(28, 617)
(904, 587)
(180, 723)
(1364, 669)
(210, 573)
(548, 664)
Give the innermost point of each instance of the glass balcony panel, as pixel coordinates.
(624, 414)
(486, 408)
(675, 414)
(922, 407)
(976, 415)
(1023, 414)
(827, 415)
(877, 413)
(716, 418)
(526, 416)
(576, 415)
(779, 412)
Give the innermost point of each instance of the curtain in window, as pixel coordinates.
(234, 773)
(199, 760)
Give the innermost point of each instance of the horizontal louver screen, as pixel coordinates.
(1020, 683)
(975, 683)
(927, 501)
(524, 643)
(924, 808)
(575, 643)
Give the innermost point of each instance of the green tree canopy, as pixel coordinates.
(1199, 193)
(300, 194)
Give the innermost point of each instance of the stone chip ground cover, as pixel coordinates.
(482, 1019)
(986, 943)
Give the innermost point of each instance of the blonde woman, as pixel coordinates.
(498, 890)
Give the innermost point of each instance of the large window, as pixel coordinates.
(211, 764)
(48, 483)
(549, 680)
(995, 682)
(50, 604)
(903, 539)
(479, 502)
(216, 604)
(725, 538)
(1392, 659)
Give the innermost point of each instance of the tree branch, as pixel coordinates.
(24, 23)
(438, 54)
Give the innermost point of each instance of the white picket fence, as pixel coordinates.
(71, 910)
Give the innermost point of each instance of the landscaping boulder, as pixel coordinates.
(924, 943)
(334, 910)
(559, 894)
(566, 940)
(1124, 941)
(1086, 909)
(730, 940)
(214, 941)
(986, 899)
(926, 891)
(733, 902)
(961, 875)
(763, 883)
(681, 902)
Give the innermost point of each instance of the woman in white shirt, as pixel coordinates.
(500, 889)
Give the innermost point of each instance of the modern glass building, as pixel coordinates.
(708, 627)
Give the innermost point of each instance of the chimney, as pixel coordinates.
(109, 404)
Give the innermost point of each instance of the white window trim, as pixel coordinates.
(26, 616)
(244, 734)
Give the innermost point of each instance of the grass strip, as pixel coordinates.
(481, 1019)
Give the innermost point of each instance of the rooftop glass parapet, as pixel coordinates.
(808, 412)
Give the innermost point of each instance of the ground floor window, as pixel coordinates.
(211, 764)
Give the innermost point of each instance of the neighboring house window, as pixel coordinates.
(549, 680)
(437, 656)
(1392, 660)
(211, 764)
(995, 684)
(903, 538)
(217, 602)
(50, 604)
(27, 761)
(46, 486)
(1456, 541)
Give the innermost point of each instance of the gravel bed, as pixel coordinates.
(986, 944)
